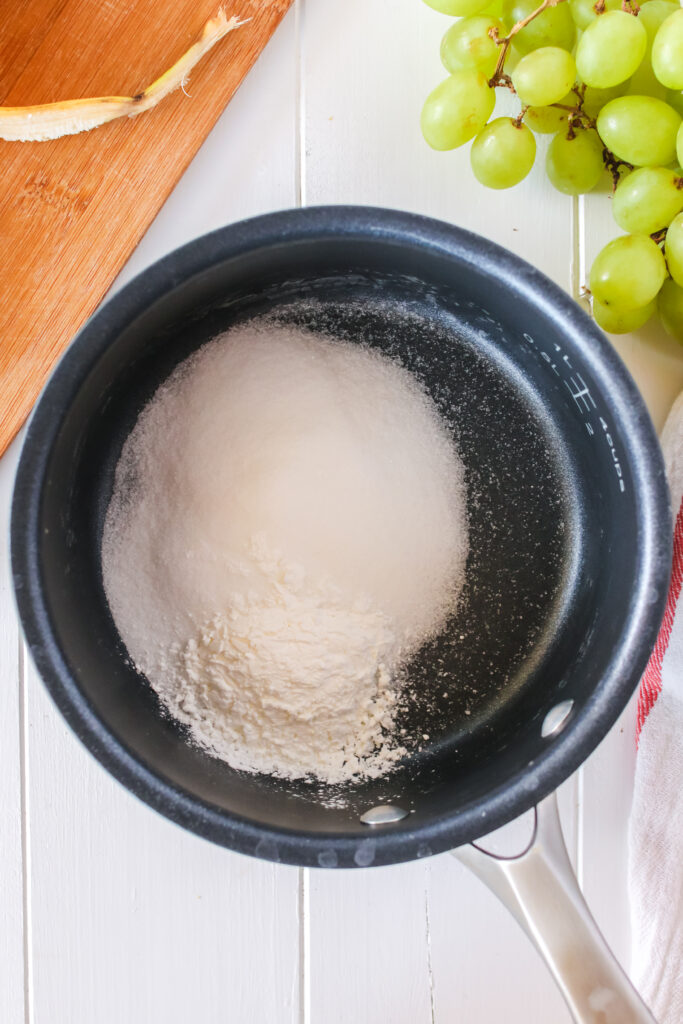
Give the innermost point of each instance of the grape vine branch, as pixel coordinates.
(499, 77)
(612, 102)
(578, 118)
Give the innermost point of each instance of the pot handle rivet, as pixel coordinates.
(383, 814)
(557, 718)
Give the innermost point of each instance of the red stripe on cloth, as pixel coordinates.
(651, 683)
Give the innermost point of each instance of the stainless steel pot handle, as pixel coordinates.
(540, 889)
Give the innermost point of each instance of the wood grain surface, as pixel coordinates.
(73, 209)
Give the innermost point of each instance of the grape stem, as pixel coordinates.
(628, 6)
(498, 77)
(660, 236)
(612, 163)
(578, 118)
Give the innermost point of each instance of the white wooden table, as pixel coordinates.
(109, 914)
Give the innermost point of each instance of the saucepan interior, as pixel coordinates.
(567, 512)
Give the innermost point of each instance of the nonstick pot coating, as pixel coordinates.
(569, 529)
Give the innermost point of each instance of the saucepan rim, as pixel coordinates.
(588, 726)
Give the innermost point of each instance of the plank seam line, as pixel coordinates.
(575, 251)
(580, 826)
(577, 259)
(304, 946)
(300, 105)
(430, 970)
(25, 851)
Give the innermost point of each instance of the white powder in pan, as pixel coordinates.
(287, 526)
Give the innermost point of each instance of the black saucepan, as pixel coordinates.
(569, 523)
(569, 526)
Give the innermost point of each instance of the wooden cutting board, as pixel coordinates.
(73, 209)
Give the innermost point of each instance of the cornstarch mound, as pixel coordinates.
(287, 527)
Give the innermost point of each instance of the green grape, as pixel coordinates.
(544, 76)
(643, 81)
(574, 165)
(457, 8)
(467, 44)
(512, 60)
(673, 249)
(628, 272)
(653, 14)
(457, 109)
(610, 49)
(675, 99)
(494, 10)
(503, 153)
(679, 145)
(640, 129)
(667, 51)
(670, 309)
(595, 99)
(583, 11)
(647, 200)
(553, 27)
(549, 120)
(616, 321)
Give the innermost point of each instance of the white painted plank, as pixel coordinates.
(133, 919)
(608, 791)
(369, 957)
(484, 967)
(361, 133)
(361, 143)
(12, 977)
(136, 920)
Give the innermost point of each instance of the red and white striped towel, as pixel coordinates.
(656, 823)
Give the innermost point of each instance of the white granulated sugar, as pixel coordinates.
(288, 526)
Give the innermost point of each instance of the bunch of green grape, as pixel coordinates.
(605, 80)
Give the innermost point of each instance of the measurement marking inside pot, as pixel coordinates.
(583, 399)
